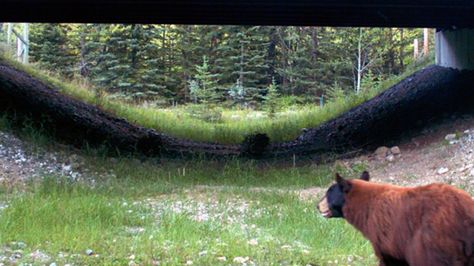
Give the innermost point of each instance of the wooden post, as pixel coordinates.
(415, 48)
(425, 42)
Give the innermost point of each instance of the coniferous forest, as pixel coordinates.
(235, 65)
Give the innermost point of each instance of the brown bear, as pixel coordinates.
(430, 225)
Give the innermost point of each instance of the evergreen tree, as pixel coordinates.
(106, 56)
(237, 93)
(166, 61)
(188, 51)
(271, 98)
(149, 76)
(208, 91)
(50, 48)
(243, 60)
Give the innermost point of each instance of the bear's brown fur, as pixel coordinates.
(429, 225)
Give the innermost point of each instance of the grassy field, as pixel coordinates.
(235, 123)
(149, 214)
(170, 212)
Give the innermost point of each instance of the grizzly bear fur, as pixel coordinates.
(430, 225)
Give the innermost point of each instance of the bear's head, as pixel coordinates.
(332, 203)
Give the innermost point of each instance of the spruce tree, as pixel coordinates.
(148, 75)
(208, 87)
(51, 49)
(271, 98)
(243, 60)
(165, 61)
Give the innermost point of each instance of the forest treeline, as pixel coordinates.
(213, 64)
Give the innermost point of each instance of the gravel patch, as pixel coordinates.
(438, 161)
(19, 162)
(231, 211)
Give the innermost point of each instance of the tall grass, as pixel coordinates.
(177, 123)
(170, 175)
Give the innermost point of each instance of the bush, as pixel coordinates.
(336, 93)
(205, 112)
(286, 102)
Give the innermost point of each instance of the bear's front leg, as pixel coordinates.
(385, 260)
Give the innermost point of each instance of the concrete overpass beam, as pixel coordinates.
(455, 48)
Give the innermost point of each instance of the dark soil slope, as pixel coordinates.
(416, 100)
(407, 106)
(77, 123)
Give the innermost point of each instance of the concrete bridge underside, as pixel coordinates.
(370, 13)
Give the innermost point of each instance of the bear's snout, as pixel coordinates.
(323, 208)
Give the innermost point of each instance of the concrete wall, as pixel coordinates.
(455, 48)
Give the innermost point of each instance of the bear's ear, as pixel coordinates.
(365, 176)
(343, 183)
(339, 178)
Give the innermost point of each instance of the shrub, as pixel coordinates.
(205, 112)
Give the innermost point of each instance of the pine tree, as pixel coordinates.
(50, 48)
(237, 93)
(111, 61)
(243, 60)
(271, 98)
(208, 91)
(166, 61)
(148, 76)
(188, 49)
(299, 66)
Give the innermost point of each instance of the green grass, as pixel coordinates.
(171, 174)
(70, 217)
(60, 217)
(252, 208)
(176, 122)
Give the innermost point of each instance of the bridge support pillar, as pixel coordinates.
(455, 48)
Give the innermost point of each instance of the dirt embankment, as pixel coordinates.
(403, 109)
(414, 102)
